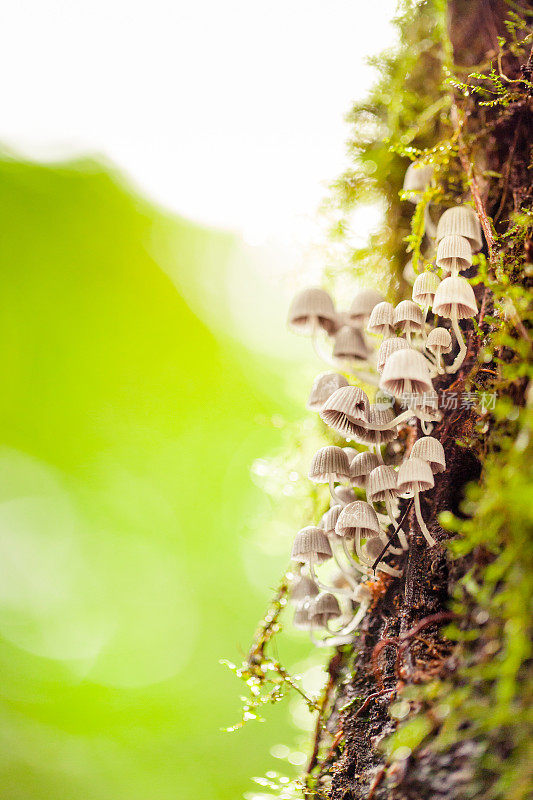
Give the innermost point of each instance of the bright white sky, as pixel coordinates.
(230, 113)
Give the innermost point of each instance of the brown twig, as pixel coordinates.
(432, 619)
(468, 167)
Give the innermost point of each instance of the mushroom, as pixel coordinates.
(431, 450)
(361, 467)
(349, 345)
(328, 523)
(424, 289)
(382, 487)
(346, 409)
(381, 321)
(406, 372)
(302, 590)
(409, 318)
(312, 310)
(387, 347)
(363, 596)
(324, 607)
(461, 221)
(311, 546)
(351, 452)
(357, 520)
(455, 300)
(438, 342)
(415, 476)
(362, 306)
(323, 387)
(330, 464)
(344, 496)
(454, 254)
(416, 180)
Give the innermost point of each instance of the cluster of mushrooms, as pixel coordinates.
(355, 533)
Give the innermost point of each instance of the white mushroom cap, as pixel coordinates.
(408, 315)
(363, 304)
(381, 319)
(324, 607)
(349, 344)
(431, 450)
(358, 516)
(329, 519)
(323, 387)
(387, 347)
(416, 180)
(461, 221)
(361, 467)
(309, 305)
(302, 618)
(303, 589)
(329, 462)
(346, 409)
(351, 452)
(454, 251)
(455, 295)
(344, 494)
(415, 474)
(406, 370)
(311, 543)
(381, 482)
(424, 288)
(439, 341)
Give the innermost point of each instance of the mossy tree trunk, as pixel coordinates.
(401, 652)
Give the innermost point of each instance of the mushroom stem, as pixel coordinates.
(377, 450)
(351, 559)
(408, 334)
(348, 573)
(460, 357)
(355, 622)
(332, 490)
(405, 415)
(426, 426)
(324, 586)
(401, 535)
(418, 511)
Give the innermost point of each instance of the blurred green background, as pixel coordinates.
(129, 520)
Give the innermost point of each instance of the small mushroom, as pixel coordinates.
(311, 546)
(409, 318)
(349, 345)
(438, 342)
(424, 289)
(380, 428)
(431, 450)
(381, 321)
(346, 409)
(461, 221)
(416, 180)
(324, 608)
(415, 476)
(344, 495)
(351, 452)
(387, 347)
(358, 521)
(323, 387)
(329, 465)
(454, 254)
(361, 467)
(311, 309)
(363, 596)
(455, 300)
(363, 305)
(406, 371)
(328, 523)
(382, 486)
(302, 590)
